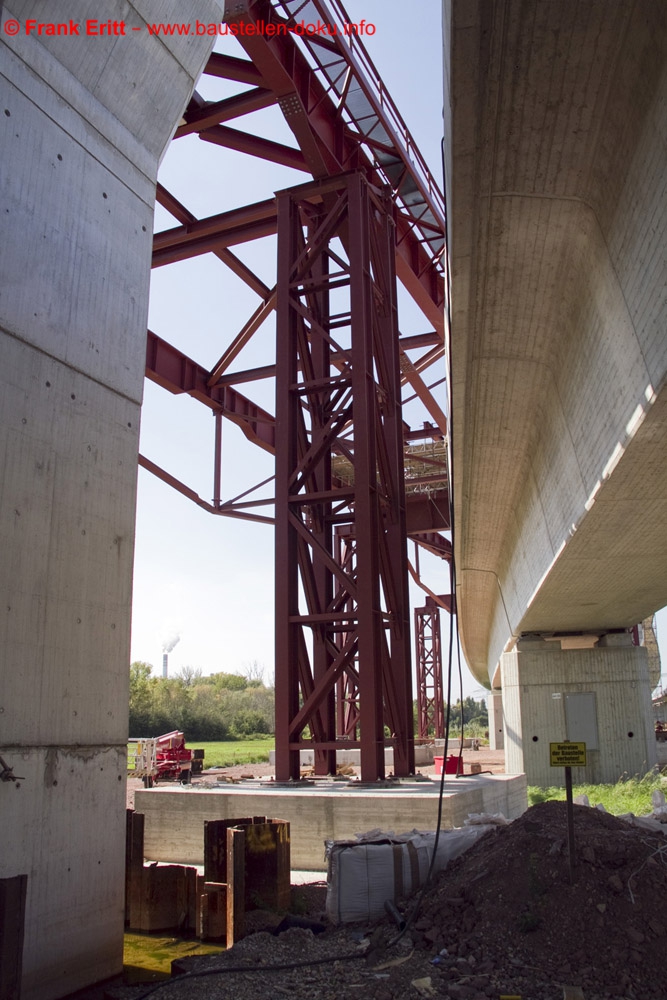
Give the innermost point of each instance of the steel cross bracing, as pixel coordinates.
(428, 653)
(338, 392)
(344, 123)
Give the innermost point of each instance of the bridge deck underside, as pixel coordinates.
(560, 354)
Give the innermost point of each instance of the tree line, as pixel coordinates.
(216, 707)
(226, 706)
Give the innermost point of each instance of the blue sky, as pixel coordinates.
(211, 580)
(207, 579)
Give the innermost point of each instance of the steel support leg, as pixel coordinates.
(339, 465)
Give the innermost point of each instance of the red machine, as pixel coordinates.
(172, 759)
(163, 758)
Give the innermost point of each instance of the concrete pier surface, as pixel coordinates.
(83, 126)
(319, 810)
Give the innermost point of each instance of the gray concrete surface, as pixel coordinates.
(538, 679)
(174, 817)
(83, 123)
(559, 231)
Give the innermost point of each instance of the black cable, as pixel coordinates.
(452, 577)
(223, 970)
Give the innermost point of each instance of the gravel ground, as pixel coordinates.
(503, 919)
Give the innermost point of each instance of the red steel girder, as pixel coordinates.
(347, 687)
(240, 225)
(232, 68)
(254, 145)
(428, 512)
(435, 543)
(176, 372)
(186, 218)
(198, 117)
(331, 618)
(328, 147)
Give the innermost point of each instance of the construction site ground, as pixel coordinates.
(504, 919)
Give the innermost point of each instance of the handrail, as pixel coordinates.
(359, 63)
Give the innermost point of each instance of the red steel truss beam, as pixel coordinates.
(232, 68)
(198, 118)
(186, 218)
(240, 225)
(434, 542)
(328, 147)
(347, 686)
(176, 372)
(266, 149)
(333, 619)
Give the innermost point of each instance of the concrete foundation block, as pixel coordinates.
(174, 818)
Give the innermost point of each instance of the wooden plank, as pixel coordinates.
(12, 919)
(235, 884)
(136, 865)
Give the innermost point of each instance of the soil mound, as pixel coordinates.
(508, 908)
(502, 919)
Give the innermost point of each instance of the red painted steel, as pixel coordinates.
(342, 513)
(176, 372)
(310, 97)
(428, 659)
(199, 118)
(347, 686)
(338, 389)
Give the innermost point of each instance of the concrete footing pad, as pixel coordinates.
(318, 811)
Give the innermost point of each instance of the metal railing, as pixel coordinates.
(356, 88)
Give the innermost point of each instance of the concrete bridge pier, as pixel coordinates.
(599, 695)
(84, 121)
(494, 704)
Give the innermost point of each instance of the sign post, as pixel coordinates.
(568, 755)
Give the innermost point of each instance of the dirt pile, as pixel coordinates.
(503, 919)
(507, 909)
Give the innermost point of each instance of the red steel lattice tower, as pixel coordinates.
(339, 462)
(428, 659)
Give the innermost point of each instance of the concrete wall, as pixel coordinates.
(494, 702)
(83, 123)
(174, 818)
(558, 208)
(536, 678)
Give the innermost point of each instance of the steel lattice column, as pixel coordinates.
(339, 463)
(430, 699)
(347, 691)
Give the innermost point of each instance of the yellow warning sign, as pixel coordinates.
(567, 754)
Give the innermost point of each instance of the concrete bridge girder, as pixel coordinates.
(558, 128)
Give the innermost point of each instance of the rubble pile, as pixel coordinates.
(502, 919)
(507, 909)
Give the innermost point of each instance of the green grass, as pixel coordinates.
(254, 750)
(148, 957)
(627, 795)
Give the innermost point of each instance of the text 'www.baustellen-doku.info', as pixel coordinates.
(94, 28)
